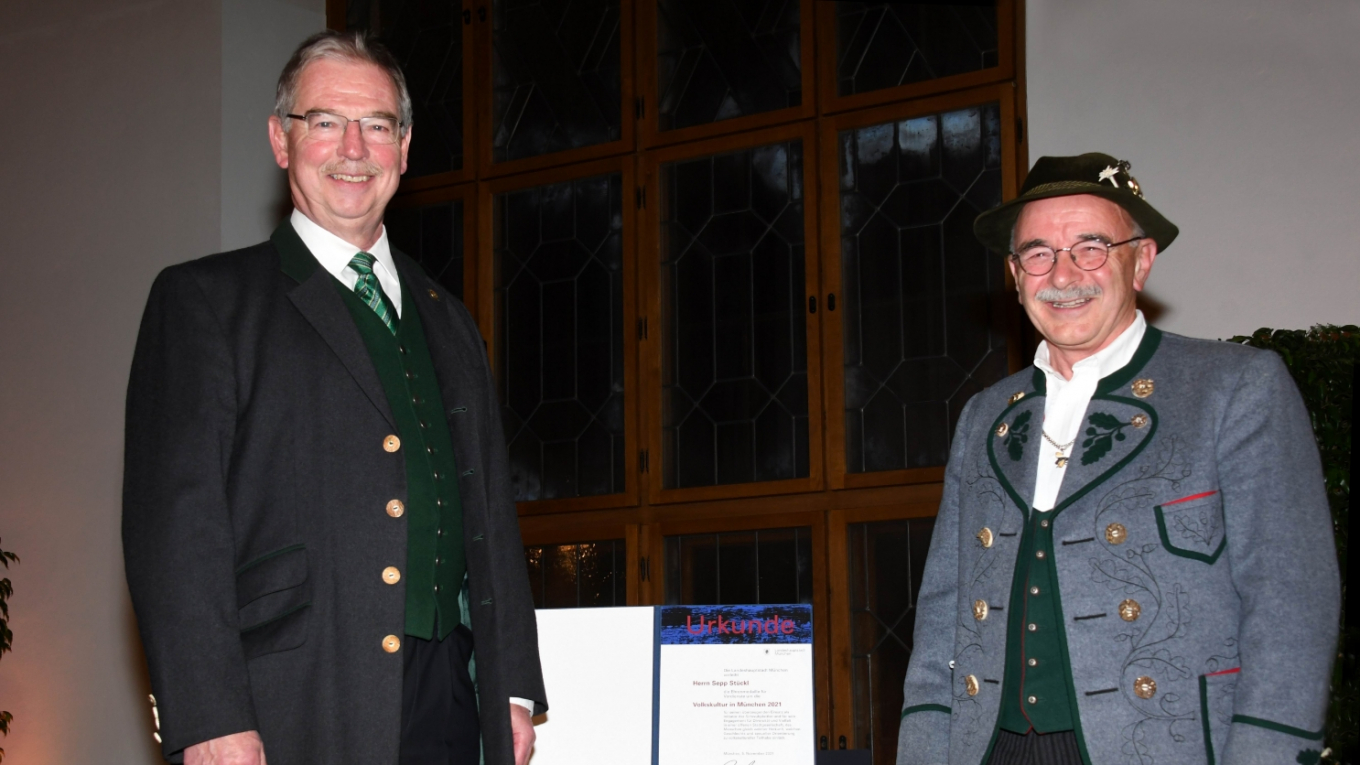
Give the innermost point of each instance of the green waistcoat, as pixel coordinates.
(434, 516)
(1038, 675)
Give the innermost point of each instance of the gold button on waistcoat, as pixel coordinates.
(1142, 388)
(1145, 687)
(1139, 421)
(395, 508)
(391, 644)
(1115, 533)
(1017, 396)
(970, 685)
(433, 294)
(980, 609)
(391, 444)
(1002, 430)
(1129, 610)
(985, 537)
(391, 575)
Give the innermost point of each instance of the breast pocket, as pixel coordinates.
(273, 598)
(1192, 527)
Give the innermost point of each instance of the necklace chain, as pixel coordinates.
(1056, 445)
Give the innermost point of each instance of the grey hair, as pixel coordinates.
(352, 47)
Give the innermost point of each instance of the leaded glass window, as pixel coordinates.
(584, 575)
(721, 59)
(734, 361)
(883, 45)
(433, 236)
(555, 76)
(921, 316)
(559, 336)
(740, 567)
(886, 560)
(426, 37)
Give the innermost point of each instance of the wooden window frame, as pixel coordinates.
(834, 404)
(1009, 18)
(486, 269)
(626, 142)
(649, 259)
(651, 136)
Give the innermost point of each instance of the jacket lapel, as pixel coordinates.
(1013, 440)
(316, 299)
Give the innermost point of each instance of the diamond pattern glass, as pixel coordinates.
(886, 560)
(740, 567)
(426, 37)
(922, 300)
(726, 58)
(555, 76)
(882, 45)
(734, 358)
(585, 575)
(433, 236)
(559, 336)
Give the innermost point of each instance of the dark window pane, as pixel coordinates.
(555, 78)
(585, 575)
(433, 235)
(740, 567)
(922, 300)
(734, 364)
(882, 45)
(559, 338)
(886, 560)
(426, 37)
(721, 59)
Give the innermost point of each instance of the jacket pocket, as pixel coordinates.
(1216, 691)
(273, 598)
(1192, 527)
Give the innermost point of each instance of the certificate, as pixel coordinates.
(734, 685)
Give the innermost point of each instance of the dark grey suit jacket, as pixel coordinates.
(255, 528)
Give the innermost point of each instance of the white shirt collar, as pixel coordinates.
(1104, 362)
(334, 255)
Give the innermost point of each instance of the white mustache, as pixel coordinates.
(1075, 292)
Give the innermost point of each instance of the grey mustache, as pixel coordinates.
(1075, 292)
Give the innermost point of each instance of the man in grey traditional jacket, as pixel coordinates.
(1133, 560)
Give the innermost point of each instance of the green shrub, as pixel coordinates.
(1322, 361)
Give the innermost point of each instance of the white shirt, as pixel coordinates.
(1066, 403)
(335, 253)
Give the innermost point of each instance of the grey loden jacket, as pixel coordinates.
(256, 519)
(1212, 516)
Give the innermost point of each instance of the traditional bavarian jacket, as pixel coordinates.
(1189, 556)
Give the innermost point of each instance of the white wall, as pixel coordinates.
(125, 171)
(258, 36)
(1242, 121)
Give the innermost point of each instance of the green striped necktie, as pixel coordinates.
(369, 291)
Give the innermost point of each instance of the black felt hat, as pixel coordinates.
(1097, 174)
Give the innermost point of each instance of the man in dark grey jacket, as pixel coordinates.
(318, 524)
(1133, 560)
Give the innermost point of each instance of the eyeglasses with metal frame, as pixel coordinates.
(324, 126)
(1087, 255)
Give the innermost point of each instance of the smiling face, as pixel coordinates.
(1080, 312)
(345, 185)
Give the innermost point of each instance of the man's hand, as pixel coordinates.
(246, 748)
(521, 727)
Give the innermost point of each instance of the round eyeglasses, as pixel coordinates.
(1088, 255)
(324, 126)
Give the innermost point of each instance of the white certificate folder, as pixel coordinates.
(677, 685)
